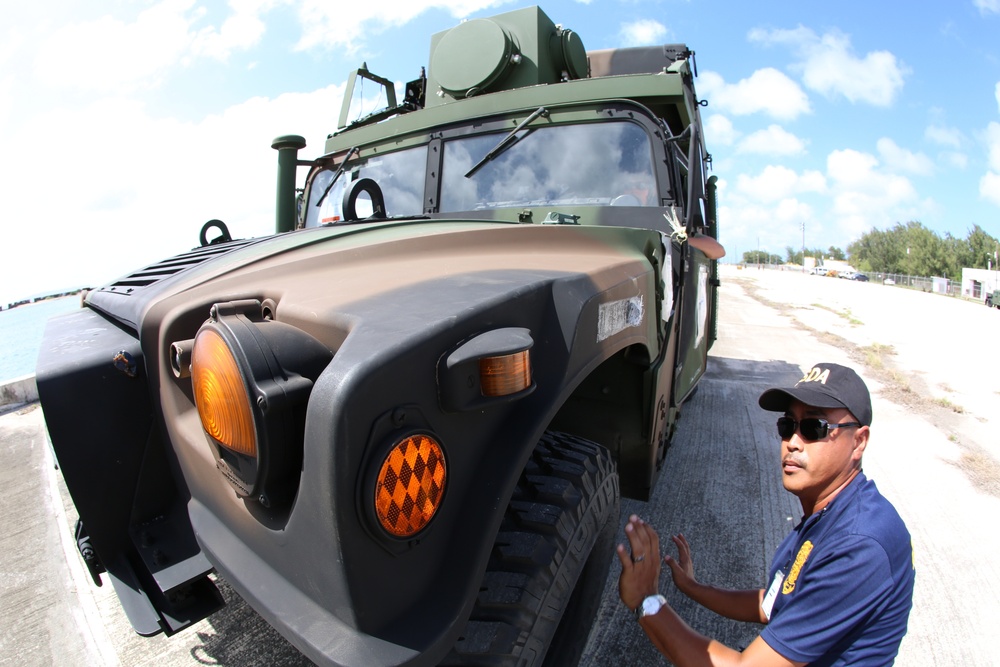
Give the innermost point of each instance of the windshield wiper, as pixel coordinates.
(508, 141)
(337, 174)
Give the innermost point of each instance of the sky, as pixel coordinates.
(126, 124)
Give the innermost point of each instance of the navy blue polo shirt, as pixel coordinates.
(846, 583)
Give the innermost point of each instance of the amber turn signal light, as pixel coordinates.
(221, 395)
(410, 485)
(502, 376)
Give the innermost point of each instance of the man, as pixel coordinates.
(840, 585)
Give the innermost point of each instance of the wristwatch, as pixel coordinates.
(650, 606)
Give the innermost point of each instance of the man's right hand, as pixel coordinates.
(735, 604)
(682, 568)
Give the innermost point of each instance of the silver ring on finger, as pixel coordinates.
(638, 559)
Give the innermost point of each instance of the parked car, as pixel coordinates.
(888, 281)
(860, 277)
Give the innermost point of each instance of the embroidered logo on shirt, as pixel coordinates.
(800, 560)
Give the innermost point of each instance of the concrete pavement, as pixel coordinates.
(721, 488)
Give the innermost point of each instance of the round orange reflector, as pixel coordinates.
(220, 394)
(502, 376)
(410, 485)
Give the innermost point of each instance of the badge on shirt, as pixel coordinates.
(772, 593)
(800, 560)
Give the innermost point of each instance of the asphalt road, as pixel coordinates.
(932, 454)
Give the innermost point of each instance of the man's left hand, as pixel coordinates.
(640, 575)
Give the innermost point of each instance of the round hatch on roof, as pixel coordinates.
(574, 55)
(471, 56)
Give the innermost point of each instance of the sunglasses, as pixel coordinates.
(811, 428)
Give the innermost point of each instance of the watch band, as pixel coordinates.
(650, 605)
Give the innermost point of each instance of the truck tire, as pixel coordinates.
(550, 561)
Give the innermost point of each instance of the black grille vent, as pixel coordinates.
(168, 267)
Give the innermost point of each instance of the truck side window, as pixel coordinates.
(399, 174)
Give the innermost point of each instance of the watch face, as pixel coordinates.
(652, 604)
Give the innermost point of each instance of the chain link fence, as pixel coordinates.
(922, 283)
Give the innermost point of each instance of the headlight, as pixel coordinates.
(251, 379)
(221, 394)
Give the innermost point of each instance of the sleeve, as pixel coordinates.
(837, 591)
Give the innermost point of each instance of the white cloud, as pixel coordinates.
(989, 184)
(109, 54)
(993, 145)
(987, 6)
(6, 99)
(148, 192)
(774, 140)
(642, 33)
(777, 182)
(347, 25)
(766, 91)
(955, 159)
(719, 130)
(768, 226)
(900, 159)
(242, 30)
(989, 187)
(865, 195)
(829, 66)
(944, 136)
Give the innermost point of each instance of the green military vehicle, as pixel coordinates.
(993, 298)
(400, 426)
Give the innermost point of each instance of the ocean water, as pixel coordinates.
(21, 332)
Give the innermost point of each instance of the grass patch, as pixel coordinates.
(982, 470)
(876, 353)
(945, 403)
(845, 314)
(899, 381)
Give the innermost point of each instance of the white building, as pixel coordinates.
(977, 283)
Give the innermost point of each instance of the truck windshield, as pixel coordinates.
(399, 174)
(596, 164)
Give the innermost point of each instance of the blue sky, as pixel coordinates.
(127, 124)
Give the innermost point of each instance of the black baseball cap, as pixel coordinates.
(824, 386)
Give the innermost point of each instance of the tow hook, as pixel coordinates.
(90, 558)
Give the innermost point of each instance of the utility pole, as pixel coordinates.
(803, 246)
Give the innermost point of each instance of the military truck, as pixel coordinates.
(993, 298)
(400, 426)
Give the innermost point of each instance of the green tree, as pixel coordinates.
(793, 256)
(761, 257)
(981, 247)
(914, 249)
(877, 251)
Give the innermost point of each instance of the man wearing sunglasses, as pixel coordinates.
(840, 584)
